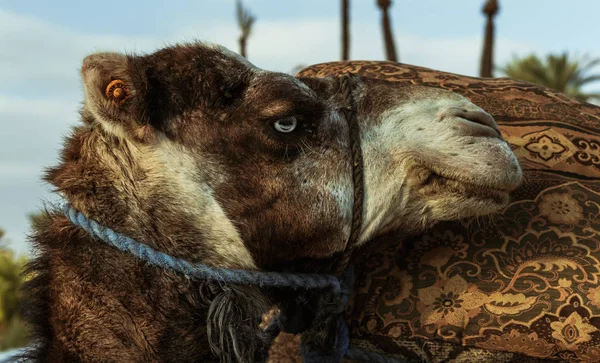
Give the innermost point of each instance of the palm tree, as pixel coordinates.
(490, 9)
(557, 72)
(245, 21)
(345, 29)
(388, 36)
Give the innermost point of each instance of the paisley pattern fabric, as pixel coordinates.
(521, 286)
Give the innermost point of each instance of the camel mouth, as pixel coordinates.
(437, 183)
(482, 176)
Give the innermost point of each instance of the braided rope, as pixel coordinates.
(200, 271)
(357, 174)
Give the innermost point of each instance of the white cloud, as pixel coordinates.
(45, 58)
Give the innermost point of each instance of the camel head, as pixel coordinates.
(255, 165)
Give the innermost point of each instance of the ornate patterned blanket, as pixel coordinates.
(520, 286)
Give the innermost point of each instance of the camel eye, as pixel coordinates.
(286, 125)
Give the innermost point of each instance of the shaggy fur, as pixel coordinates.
(190, 163)
(167, 318)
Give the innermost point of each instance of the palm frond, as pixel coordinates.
(561, 72)
(245, 19)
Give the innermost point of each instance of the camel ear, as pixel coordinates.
(112, 94)
(106, 81)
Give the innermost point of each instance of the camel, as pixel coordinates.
(200, 154)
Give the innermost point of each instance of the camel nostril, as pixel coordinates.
(476, 116)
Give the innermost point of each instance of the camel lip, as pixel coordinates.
(503, 189)
(436, 184)
(437, 171)
(436, 180)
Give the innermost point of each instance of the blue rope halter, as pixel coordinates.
(339, 288)
(200, 271)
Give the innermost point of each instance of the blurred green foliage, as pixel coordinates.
(560, 72)
(13, 332)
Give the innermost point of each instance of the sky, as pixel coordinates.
(42, 44)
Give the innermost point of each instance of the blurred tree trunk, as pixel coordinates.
(388, 36)
(490, 10)
(245, 22)
(345, 29)
(243, 46)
